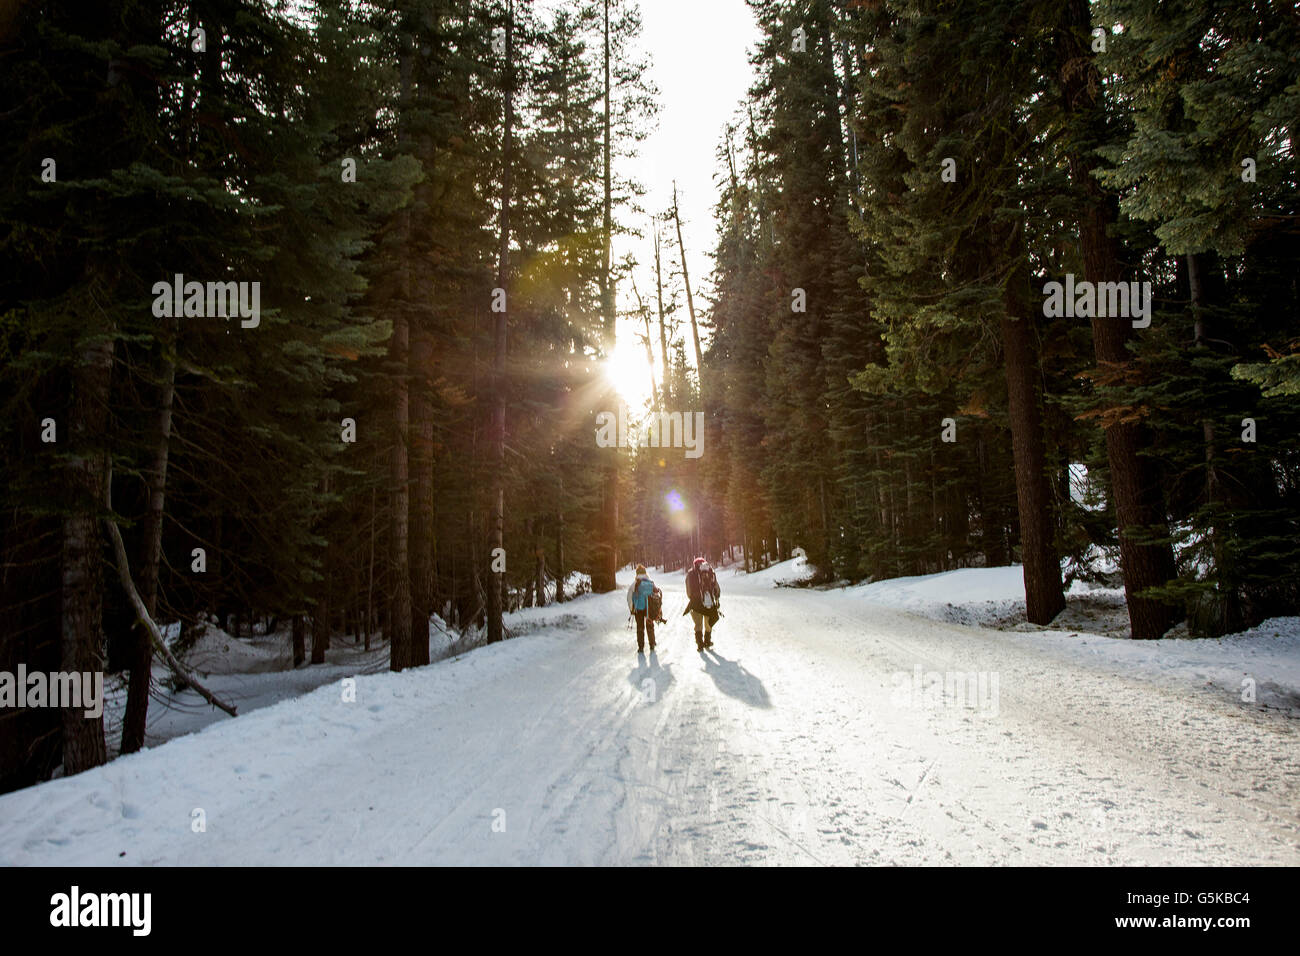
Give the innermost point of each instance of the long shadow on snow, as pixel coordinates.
(732, 679)
(651, 670)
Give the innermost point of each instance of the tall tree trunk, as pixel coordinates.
(136, 715)
(1196, 299)
(320, 625)
(82, 605)
(299, 639)
(1044, 597)
(690, 302)
(421, 506)
(539, 565)
(607, 210)
(650, 361)
(663, 331)
(399, 611)
(559, 558)
(370, 581)
(1139, 501)
(1227, 610)
(421, 360)
(496, 579)
(606, 557)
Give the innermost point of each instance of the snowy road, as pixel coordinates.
(791, 744)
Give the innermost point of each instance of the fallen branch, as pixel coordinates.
(179, 669)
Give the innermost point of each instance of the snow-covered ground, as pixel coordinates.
(1263, 661)
(249, 673)
(257, 671)
(828, 727)
(987, 597)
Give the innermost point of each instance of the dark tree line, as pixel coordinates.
(423, 193)
(905, 180)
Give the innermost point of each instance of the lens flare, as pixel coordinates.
(680, 517)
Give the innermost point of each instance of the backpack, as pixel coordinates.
(707, 583)
(656, 607)
(641, 595)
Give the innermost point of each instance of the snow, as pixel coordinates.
(250, 673)
(995, 597)
(964, 586)
(781, 574)
(216, 652)
(792, 744)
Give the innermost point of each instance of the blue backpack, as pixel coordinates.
(644, 589)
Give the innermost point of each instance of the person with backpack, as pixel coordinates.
(702, 595)
(639, 598)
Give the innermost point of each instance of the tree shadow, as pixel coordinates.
(732, 679)
(659, 678)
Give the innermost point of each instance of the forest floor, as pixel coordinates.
(826, 727)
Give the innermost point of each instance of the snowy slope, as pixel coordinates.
(995, 597)
(254, 672)
(799, 741)
(1267, 655)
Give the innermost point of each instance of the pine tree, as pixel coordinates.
(1212, 95)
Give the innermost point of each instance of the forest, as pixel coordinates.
(309, 313)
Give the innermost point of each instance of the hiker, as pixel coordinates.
(638, 603)
(702, 594)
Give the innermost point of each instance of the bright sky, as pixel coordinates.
(699, 56)
(698, 51)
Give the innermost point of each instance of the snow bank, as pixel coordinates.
(995, 597)
(776, 575)
(992, 588)
(1093, 628)
(216, 652)
(256, 672)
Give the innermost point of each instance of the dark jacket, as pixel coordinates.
(695, 590)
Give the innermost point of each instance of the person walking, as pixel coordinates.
(702, 596)
(638, 603)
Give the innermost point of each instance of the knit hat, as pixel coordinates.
(640, 569)
(698, 562)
